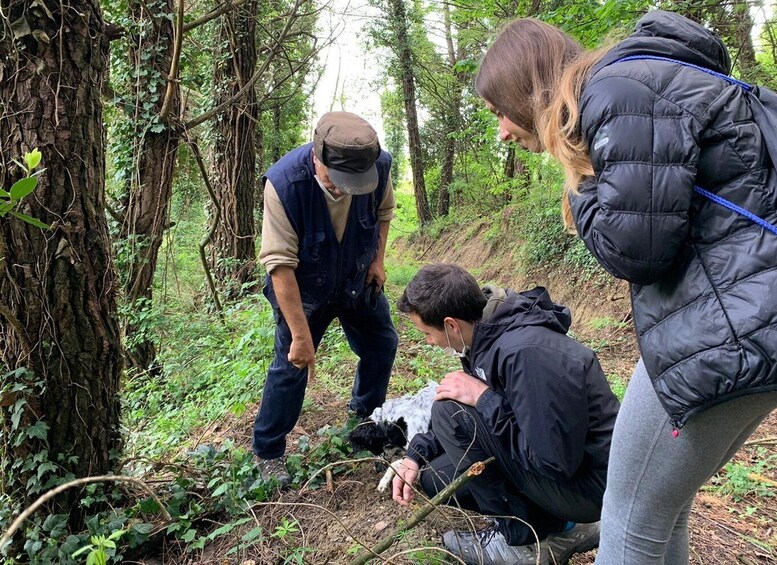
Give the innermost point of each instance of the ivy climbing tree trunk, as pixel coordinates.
(59, 334)
(234, 250)
(399, 24)
(155, 145)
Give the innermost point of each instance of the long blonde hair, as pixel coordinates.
(559, 128)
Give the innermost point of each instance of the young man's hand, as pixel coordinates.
(461, 387)
(401, 485)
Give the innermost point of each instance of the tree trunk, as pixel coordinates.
(235, 153)
(147, 205)
(399, 21)
(452, 119)
(58, 324)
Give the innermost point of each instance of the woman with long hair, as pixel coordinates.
(642, 131)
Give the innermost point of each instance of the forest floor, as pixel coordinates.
(734, 518)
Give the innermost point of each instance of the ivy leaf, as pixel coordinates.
(55, 524)
(33, 158)
(39, 430)
(46, 467)
(23, 187)
(30, 220)
(189, 535)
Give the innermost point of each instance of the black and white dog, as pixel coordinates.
(393, 425)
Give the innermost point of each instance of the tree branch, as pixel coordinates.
(62, 488)
(221, 10)
(474, 470)
(173, 77)
(257, 75)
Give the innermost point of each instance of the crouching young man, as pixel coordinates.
(528, 395)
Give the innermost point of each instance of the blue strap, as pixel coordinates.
(699, 190)
(738, 209)
(732, 80)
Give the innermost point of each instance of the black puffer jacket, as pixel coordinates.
(548, 404)
(704, 279)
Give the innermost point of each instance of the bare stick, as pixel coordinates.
(62, 488)
(474, 470)
(762, 441)
(223, 9)
(173, 77)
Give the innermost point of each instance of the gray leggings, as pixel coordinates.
(654, 477)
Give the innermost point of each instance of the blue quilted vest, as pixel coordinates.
(328, 271)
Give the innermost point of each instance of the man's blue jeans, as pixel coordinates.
(371, 335)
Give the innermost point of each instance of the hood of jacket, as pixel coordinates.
(507, 310)
(665, 34)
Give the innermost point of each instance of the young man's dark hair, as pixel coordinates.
(441, 290)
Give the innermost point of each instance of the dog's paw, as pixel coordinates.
(385, 481)
(388, 476)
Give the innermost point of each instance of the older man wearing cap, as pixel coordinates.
(327, 208)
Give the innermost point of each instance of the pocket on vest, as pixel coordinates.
(310, 247)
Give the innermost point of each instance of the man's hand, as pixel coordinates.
(401, 486)
(376, 273)
(461, 387)
(303, 354)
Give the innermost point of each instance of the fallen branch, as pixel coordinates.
(762, 441)
(78, 482)
(758, 478)
(474, 470)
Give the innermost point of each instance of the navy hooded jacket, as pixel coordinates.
(549, 404)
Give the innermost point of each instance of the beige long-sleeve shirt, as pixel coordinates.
(280, 244)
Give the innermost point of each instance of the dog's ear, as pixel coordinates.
(397, 433)
(367, 436)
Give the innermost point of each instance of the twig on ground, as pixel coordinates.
(762, 441)
(474, 470)
(330, 483)
(78, 482)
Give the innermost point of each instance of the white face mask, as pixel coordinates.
(327, 193)
(450, 350)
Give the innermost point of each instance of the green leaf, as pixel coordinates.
(189, 535)
(55, 524)
(82, 550)
(221, 490)
(33, 158)
(30, 220)
(253, 534)
(38, 430)
(5, 194)
(23, 187)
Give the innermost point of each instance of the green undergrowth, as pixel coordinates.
(212, 367)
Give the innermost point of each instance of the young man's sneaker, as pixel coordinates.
(579, 539)
(273, 469)
(489, 547)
